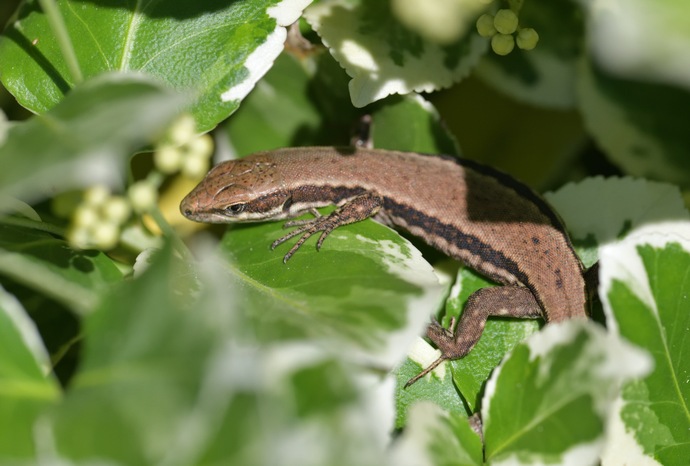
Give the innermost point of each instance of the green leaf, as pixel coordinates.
(645, 288)
(382, 56)
(549, 400)
(145, 355)
(85, 139)
(638, 124)
(25, 389)
(213, 52)
(173, 372)
(546, 75)
(435, 437)
(459, 383)
(367, 293)
(622, 204)
(48, 265)
(636, 39)
(437, 387)
(300, 102)
(424, 131)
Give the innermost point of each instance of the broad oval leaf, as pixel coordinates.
(435, 437)
(213, 51)
(302, 100)
(549, 401)
(25, 388)
(424, 131)
(642, 126)
(645, 288)
(48, 265)
(635, 38)
(367, 292)
(382, 56)
(174, 372)
(622, 204)
(86, 138)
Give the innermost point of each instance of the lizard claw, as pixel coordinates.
(307, 228)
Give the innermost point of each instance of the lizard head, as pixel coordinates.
(244, 190)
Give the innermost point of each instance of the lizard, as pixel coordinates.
(480, 216)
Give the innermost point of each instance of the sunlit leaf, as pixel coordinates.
(26, 389)
(213, 52)
(645, 289)
(382, 56)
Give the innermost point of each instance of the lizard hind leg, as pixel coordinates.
(501, 301)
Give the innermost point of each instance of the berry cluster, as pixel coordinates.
(99, 219)
(183, 150)
(504, 32)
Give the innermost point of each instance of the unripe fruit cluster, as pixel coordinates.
(502, 28)
(99, 219)
(184, 150)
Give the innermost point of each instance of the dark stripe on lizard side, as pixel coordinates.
(434, 227)
(326, 192)
(521, 189)
(318, 195)
(450, 233)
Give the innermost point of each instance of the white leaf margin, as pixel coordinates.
(26, 328)
(621, 261)
(603, 207)
(261, 59)
(606, 118)
(406, 262)
(366, 60)
(427, 425)
(617, 361)
(638, 38)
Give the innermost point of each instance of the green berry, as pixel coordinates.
(201, 146)
(105, 235)
(183, 129)
(85, 216)
(506, 21)
(117, 210)
(195, 165)
(96, 195)
(485, 25)
(527, 38)
(143, 196)
(502, 44)
(167, 159)
(79, 238)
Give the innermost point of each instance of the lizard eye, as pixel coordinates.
(235, 208)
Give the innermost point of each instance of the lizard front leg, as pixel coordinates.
(356, 209)
(500, 301)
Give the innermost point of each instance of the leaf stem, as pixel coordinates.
(59, 28)
(64, 348)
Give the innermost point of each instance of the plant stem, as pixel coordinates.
(57, 24)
